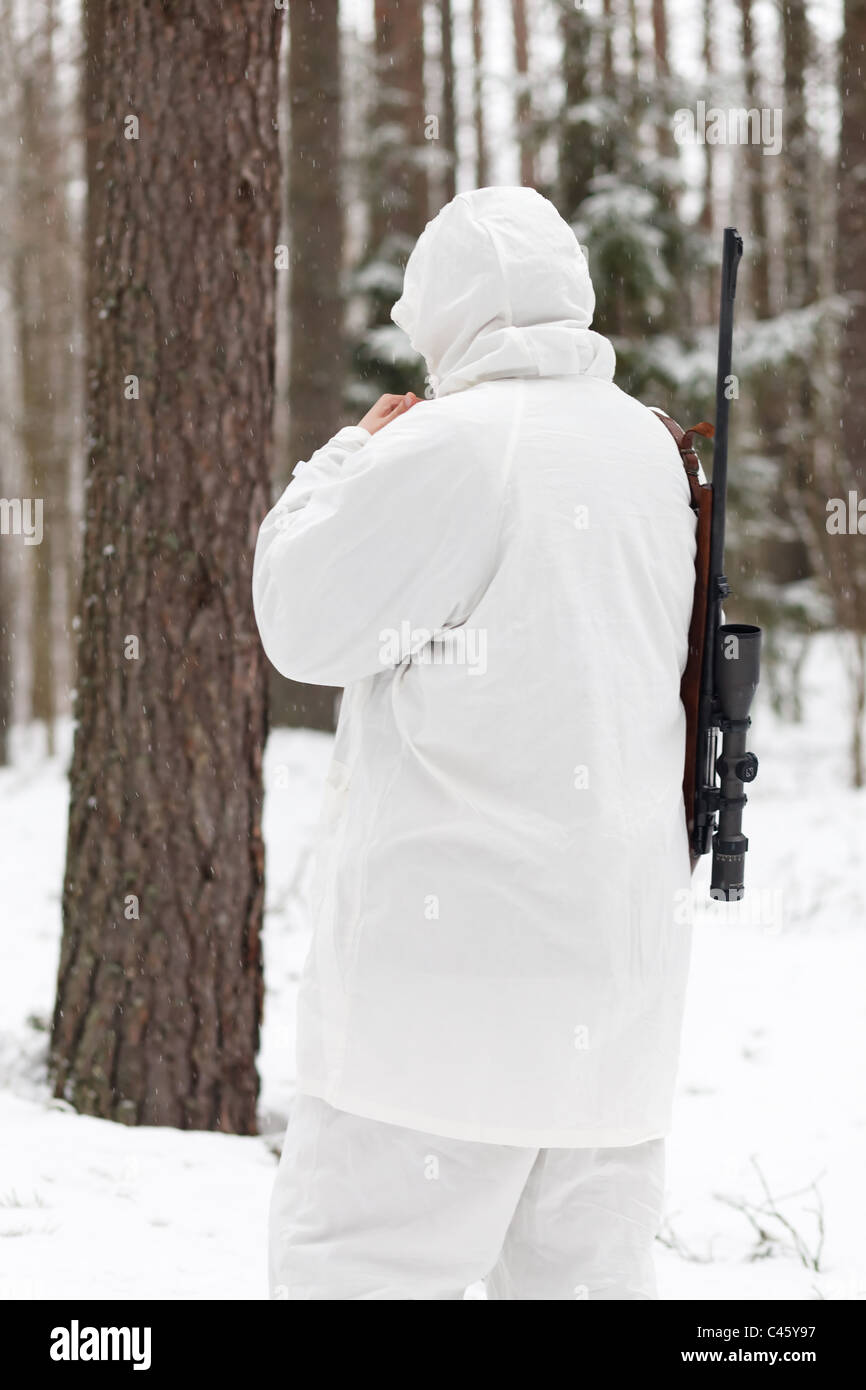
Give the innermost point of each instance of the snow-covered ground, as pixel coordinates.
(771, 1084)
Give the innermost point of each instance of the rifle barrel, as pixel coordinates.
(732, 250)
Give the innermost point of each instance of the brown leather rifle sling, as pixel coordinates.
(690, 685)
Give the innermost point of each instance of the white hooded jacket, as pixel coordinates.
(502, 580)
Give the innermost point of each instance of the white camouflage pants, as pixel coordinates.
(366, 1210)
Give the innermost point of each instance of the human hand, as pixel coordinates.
(386, 409)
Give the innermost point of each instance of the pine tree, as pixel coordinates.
(448, 133)
(40, 268)
(756, 166)
(159, 989)
(851, 255)
(397, 198)
(849, 566)
(5, 660)
(315, 227)
(317, 367)
(523, 101)
(578, 126)
(479, 125)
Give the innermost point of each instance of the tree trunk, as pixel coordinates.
(848, 569)
(316, 354)
(10, 376)
(707, 214)
(664, 129)
(797, 422)
(33, 316)
(797, 45)
(857, 682)
(482, 171)
(160, 981)
(62, 292)
(660, 40)
(523, 103)
(608, 139)
(5, 659)
(399, 173)
(851, 241)
(787, 415)
(577, 145)
(634, 53)
(315, 227)
(755, 173)
(448, 132)
(608, 68)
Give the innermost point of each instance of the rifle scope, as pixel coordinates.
(737, 667)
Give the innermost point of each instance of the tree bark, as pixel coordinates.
(5, 659)
(316, 221)
(755, 173)
(797, 47)
(10, 482)
(577, 145)
(399, 173)
(660, 39)
(707, 214)
(482, 172)
(664, 130)
(608, 139)
(634, 52)
(34, 329)
(796, 431)
(608, 68)
(851, 254)
(449, 115)
(523, 102)
(160, 981)
(315, 227)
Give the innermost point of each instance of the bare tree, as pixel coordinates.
(160, 979)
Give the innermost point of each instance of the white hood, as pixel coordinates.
(497, 286)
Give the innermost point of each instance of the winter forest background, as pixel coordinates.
(207, 208)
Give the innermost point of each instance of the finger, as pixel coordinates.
(394, 412)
